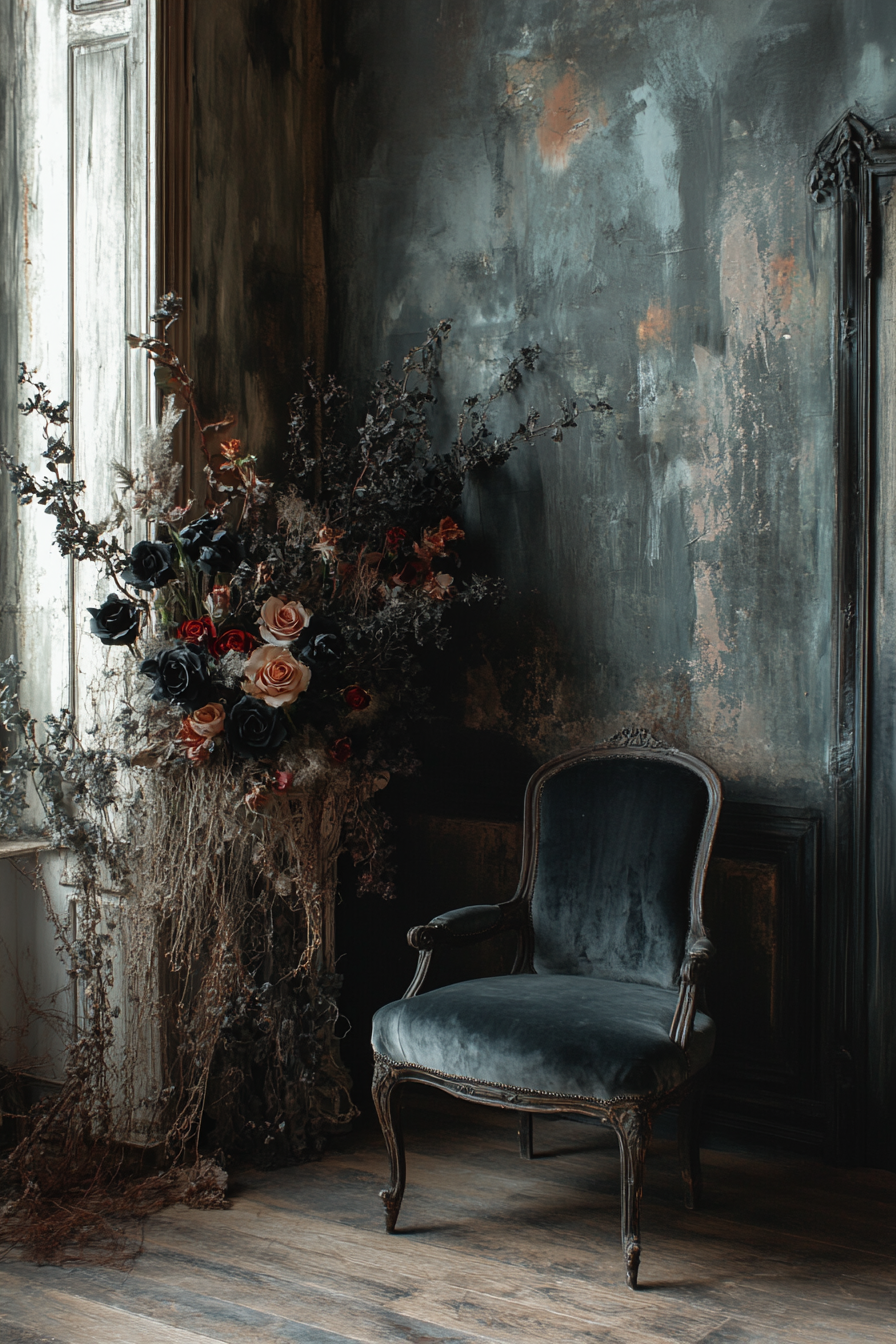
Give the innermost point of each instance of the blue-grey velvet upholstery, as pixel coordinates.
(569, 1034)
(617, 843)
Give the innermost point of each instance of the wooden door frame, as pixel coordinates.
(843, 177)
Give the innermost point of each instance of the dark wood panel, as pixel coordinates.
(762, 901)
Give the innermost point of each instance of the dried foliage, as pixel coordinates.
(279, 636)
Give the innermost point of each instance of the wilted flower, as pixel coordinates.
(218, 601)
(437, 586)
(282, 780)
(394, 537)
(410, 574)
(231, 449)
(437, 540)
(195, 747)
(327, 544)
(257, 799)
(117, 621)
(273, 675)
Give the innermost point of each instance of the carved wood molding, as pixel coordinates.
(839, 159)
(632, 736)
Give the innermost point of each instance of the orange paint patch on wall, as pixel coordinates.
(564, 122)
(780, 271)
(656, 327)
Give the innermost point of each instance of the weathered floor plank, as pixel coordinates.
(493, 1250)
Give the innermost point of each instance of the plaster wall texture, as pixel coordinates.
(623, 183)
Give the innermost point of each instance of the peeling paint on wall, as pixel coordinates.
(672, 561)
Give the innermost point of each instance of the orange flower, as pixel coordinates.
(281, 622)
(231, 449)
(437, 586)
(327, 543)
(274, 676)
(195, 748)
(437, 539)
(208, 721)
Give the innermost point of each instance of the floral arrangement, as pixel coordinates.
(285, 616)
(275, 633)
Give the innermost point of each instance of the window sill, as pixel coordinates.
(14, 849)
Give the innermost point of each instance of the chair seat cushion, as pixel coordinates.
(571, 1035)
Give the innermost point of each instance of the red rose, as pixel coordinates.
(196, 631)
(394, 537)
(341, 750)
(356, 697)
(232, 641)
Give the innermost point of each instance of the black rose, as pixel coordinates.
(198, 534)
(223, 554)
(151, 565)
(117, 621)
(254, 729)
(320, 644)
(180, 674)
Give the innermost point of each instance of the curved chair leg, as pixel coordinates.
(633, 1130)
(689, 1146)
(386, 1091)
(527, 1138)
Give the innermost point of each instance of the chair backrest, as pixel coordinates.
(616, 847)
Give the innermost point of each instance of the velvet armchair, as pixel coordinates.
(602, 1015)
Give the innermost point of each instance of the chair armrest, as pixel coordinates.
(698, 953)
(460, 928)
(465, 927)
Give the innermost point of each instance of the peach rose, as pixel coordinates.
(281, 622)
(274, 676)
(207, 721)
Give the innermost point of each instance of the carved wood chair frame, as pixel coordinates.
(631, 1117)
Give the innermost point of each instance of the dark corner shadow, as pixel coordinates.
(571, 1151)
(664, 1285)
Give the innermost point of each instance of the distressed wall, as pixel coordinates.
(625, 184)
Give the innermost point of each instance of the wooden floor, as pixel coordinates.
(491, 1248)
